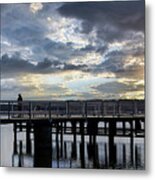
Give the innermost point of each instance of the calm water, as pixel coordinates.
(44, 146)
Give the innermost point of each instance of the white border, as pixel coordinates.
(30, 1)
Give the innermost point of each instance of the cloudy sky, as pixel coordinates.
(73, 50)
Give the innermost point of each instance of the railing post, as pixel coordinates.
(98, 110)
(30, 110)
(86, 109)
(114, 108)
(135, 107)
(83, 108)
(84, 105)
(67, 108)
(49, 110)
(57, 110)
(119, 108)
(102, 108)
(9, 110)
(12, 109)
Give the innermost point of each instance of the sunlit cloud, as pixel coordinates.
(133, 61)
(117, 45)
(35, 7)
(64, 30)
(71, 84)
(133, 95)
(92, 58)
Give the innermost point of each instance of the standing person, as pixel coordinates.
(20, 99)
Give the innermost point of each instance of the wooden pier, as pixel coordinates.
(80, 114)
(92, 109)
(85, 119)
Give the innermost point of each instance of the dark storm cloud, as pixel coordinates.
(15, 65)
(111, 19)
(115, 62)
(75, 67)
(59, 50)
(125, 14)
(88, 48)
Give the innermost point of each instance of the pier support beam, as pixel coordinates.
(131, 142)
(42, 144)
(57, 143)
(74, 148)
(124, 126)
(82, 149)
(112, 147)
(28, 138)
(15, 138)
(61, 137)
(92, 130)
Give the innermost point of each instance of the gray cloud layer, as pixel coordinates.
(118, 35)
(15, 65)
(112, 19)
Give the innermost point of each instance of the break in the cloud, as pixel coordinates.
(78, 50)
(35, 7)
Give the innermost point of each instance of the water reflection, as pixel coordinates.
(71, 145)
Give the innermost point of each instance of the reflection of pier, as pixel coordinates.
(69, 143)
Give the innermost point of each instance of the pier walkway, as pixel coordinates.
(73, 110)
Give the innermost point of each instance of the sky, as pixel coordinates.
(73, 50)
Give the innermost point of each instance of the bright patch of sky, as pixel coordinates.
(67, 30)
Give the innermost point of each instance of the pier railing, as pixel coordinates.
(68, 109)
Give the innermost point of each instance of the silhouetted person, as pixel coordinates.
(20, 99)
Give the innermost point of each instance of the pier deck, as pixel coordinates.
(72, 110)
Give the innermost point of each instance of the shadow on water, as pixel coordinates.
(74, 144)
